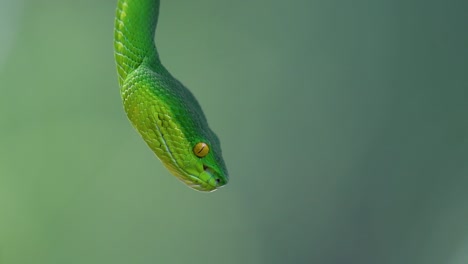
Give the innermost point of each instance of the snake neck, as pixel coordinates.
(134, 31)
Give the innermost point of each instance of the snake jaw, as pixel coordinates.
(208, 180)
(195, 183)
(218, 181)
(203, 181)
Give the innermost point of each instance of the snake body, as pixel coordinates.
(162, 109)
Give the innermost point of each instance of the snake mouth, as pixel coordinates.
(211, 172)
(207, 181)
(198, 185)
(215, 178)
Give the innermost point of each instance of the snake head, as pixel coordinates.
(203, 170)
(170, 120)
(210, 172)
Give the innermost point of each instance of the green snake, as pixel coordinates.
(162, 109)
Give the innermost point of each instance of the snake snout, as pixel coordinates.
(215, 178)
(220, 181)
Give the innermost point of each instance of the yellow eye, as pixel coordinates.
(201, 149)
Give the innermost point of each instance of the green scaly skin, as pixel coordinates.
(163, 110)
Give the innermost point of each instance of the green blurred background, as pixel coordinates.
(344, 126)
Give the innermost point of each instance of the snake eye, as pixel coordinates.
(201, 149)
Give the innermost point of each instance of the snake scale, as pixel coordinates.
(163, 111)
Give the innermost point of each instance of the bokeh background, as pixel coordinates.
(344, 126)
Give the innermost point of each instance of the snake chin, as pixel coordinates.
(207, 181)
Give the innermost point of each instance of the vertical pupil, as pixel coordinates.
(201, 149)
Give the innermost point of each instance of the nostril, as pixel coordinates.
(213, 175)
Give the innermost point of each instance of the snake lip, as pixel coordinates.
(196, 183)
(208, 185)
(202, 187)
(212, 174)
